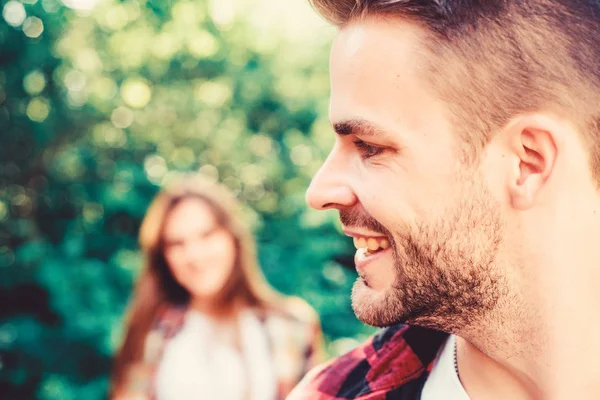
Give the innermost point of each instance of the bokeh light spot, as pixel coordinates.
(50, 6)
(104, 88)
(187, 13)
(7, 257)
(165, 45)
(75, 80)
(252, 174)
(14, 13)
(107, 135)
(209, 171)
(8, 332)
(33, 27)
(92, 212)
(116, 17)
(122, 117)
(88, 60)
(34, 82)
(155, 167)
(301, 155)
(3, 210)
(83, 5)
(182, 157)
(233, 184)
(202, 44)
(261, 145)
(136, 92)
(38, 109)
(213, 93)
(222, 12)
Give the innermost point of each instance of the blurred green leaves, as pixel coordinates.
(101, 102)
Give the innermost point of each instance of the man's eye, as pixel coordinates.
(366, 150)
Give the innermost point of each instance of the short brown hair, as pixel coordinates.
(493, 59)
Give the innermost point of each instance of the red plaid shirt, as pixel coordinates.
(393, 364)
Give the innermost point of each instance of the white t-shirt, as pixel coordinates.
(443, 382)
(197, 365)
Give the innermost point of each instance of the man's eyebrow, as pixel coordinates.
(357, 127)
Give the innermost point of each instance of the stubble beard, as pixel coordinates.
(446, 272)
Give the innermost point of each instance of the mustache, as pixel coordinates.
(356, 218)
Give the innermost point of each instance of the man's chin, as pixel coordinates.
(375, 307)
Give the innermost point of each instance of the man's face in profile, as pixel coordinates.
(428, 228)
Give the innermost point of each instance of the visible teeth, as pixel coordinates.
(361, 243)
(372, 244)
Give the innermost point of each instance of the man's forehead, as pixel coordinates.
(379, 74)
(350, 40)
(379, 37)
(373, 68)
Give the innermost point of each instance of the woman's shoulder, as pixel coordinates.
(293, 309)
(169, 319)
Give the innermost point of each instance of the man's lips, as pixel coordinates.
(363, 258)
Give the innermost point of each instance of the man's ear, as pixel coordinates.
(533, 141)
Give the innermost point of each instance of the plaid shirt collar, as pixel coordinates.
(393, 364)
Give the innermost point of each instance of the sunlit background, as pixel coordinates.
(101, 102)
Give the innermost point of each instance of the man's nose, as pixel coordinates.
(330, 186)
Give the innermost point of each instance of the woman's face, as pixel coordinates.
(199, 252)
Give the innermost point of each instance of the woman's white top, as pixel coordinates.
(201, 362)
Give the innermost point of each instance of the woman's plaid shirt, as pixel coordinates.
(295, 337)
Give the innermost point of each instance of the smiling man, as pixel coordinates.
(466, 168)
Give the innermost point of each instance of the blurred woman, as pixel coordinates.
(203, 322)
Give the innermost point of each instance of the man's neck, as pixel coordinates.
(553, 353)
(485, 378)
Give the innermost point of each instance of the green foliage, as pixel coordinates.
(97, 110)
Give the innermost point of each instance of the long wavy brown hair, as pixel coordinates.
(156, 287)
